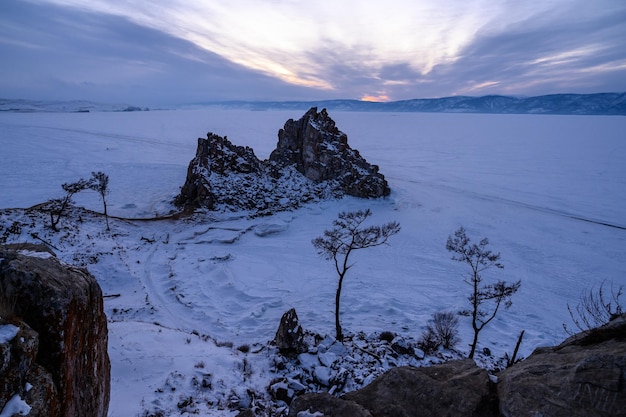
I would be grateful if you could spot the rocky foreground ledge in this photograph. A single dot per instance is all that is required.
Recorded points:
(585, 376)
(312, 161)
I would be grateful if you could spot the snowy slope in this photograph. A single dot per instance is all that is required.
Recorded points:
(548, 191)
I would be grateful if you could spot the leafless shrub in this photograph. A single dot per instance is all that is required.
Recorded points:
(14, 229)
(441, 331)
(387, 336)
(596, 307)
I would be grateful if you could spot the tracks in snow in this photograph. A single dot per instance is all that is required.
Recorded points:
(516, 203)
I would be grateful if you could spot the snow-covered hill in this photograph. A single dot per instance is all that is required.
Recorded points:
(75, 106)
(579, 104)
(199, 297)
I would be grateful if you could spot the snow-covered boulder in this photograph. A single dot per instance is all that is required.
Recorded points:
(64, 305)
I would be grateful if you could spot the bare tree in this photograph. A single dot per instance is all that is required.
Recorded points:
(485, 299)
(596, 308)
(348, 235)
(99, 182)
(56, 207)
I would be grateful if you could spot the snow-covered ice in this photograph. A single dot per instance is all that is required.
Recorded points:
(548, 191)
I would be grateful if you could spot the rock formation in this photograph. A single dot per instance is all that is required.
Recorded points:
(63, 304)
(290, 336)
(456, 388)
(320, 151)
(583, 376)
(327, 405)
(312, 161)
(22, 376)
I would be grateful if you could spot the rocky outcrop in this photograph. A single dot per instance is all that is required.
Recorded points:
(456, 388)
(312, 162)
(329, 406)
(583, 376)
(320, 151)
(216, 156)
(21, 375)
(63, 304)
(290, 336)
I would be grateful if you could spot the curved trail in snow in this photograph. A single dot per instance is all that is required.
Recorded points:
(488, 197)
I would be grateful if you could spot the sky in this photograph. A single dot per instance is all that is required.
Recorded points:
(190, 51)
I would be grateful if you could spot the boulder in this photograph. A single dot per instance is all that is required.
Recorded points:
(289, 337)
(64, 305)
(22, 376)
(315, 403)
(320, 151)
(583, 376)
(455, 388)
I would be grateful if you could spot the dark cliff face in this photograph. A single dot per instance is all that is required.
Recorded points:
(312, 160)
(64, 305)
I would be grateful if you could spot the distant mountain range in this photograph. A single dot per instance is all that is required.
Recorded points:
(577, 104)
(73, 106)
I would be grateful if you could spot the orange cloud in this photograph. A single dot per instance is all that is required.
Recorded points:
(381, 97)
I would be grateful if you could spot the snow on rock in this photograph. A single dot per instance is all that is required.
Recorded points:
(22, 377)
(266, 229)
(15, 406)
(7, 333)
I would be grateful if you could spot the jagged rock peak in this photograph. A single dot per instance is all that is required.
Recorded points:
(320, 151)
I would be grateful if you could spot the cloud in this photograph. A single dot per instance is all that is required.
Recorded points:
(53, 52)
(175, 50)
(554, 53)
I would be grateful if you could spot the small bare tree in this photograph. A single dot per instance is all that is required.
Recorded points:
(348, 235)
(56, 207)
(99, 182)
(596, 308)
(479, 258)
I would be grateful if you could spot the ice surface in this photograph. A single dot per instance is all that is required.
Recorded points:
(548, 192)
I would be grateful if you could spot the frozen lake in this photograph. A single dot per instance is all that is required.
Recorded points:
(548, 191)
